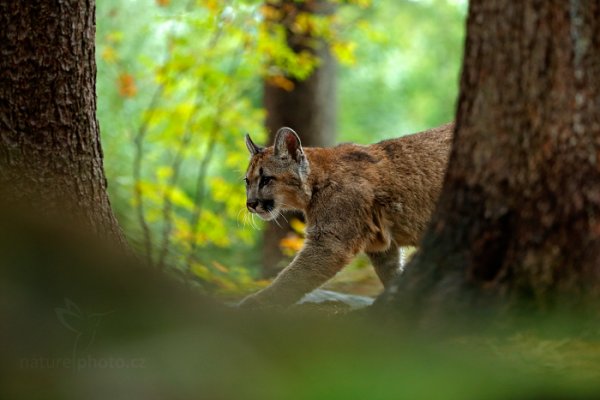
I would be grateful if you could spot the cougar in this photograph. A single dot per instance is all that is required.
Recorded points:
(355, 198)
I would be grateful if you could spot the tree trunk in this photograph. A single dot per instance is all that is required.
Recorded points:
(308, 107)
(50, 153)
(518, 220)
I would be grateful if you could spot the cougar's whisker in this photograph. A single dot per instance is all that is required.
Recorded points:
(274, 216)
(253, 222)
(245, 219)
(283, 216)
(237, 217)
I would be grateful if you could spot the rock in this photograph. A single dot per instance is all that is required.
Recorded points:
(352, 301)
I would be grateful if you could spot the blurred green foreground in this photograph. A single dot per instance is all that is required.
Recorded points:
(80, 321)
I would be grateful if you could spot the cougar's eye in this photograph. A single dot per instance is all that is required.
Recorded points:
(246, 181)
(264, 180)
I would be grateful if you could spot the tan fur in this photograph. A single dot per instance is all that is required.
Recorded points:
(355, 198)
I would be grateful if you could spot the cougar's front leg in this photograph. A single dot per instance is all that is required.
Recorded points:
(386, 263)
(316, 263)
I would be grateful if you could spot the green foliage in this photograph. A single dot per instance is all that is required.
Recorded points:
(173, 109)
(406, 71)
(179, 83)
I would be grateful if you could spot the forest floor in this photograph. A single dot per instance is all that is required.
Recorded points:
(353, 287)
(356, 279)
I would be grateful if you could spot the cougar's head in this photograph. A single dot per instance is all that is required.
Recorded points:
(276, 177)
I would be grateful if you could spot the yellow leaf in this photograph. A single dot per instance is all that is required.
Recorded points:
(224, 284)
(297, 225)
(179, 198)
(362, 3)
(282, 82)
(291, 242)
(270, 13)
(201, 271)
(114, 37)
(344, 52)
(109, 54)
(303, 23)
(220, 267)
(164, 172)
(212, 5)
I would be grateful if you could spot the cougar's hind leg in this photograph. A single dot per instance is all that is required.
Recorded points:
(387, 264)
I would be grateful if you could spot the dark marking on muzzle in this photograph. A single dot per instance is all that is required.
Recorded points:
(267, 205)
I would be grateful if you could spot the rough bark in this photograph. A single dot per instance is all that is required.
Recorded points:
(309, 108)
(50, 152)
(518, 220)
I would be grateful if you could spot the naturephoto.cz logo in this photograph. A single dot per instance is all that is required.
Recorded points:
(83, 326)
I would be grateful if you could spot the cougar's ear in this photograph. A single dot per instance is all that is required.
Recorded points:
(287, 143)
(252, 148)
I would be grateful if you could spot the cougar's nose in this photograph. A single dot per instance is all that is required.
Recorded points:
(252, 204)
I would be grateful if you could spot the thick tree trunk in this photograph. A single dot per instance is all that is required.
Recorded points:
(50, 153)
(519, 216)
(309, 107)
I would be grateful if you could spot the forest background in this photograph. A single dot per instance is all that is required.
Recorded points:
(180, 82)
